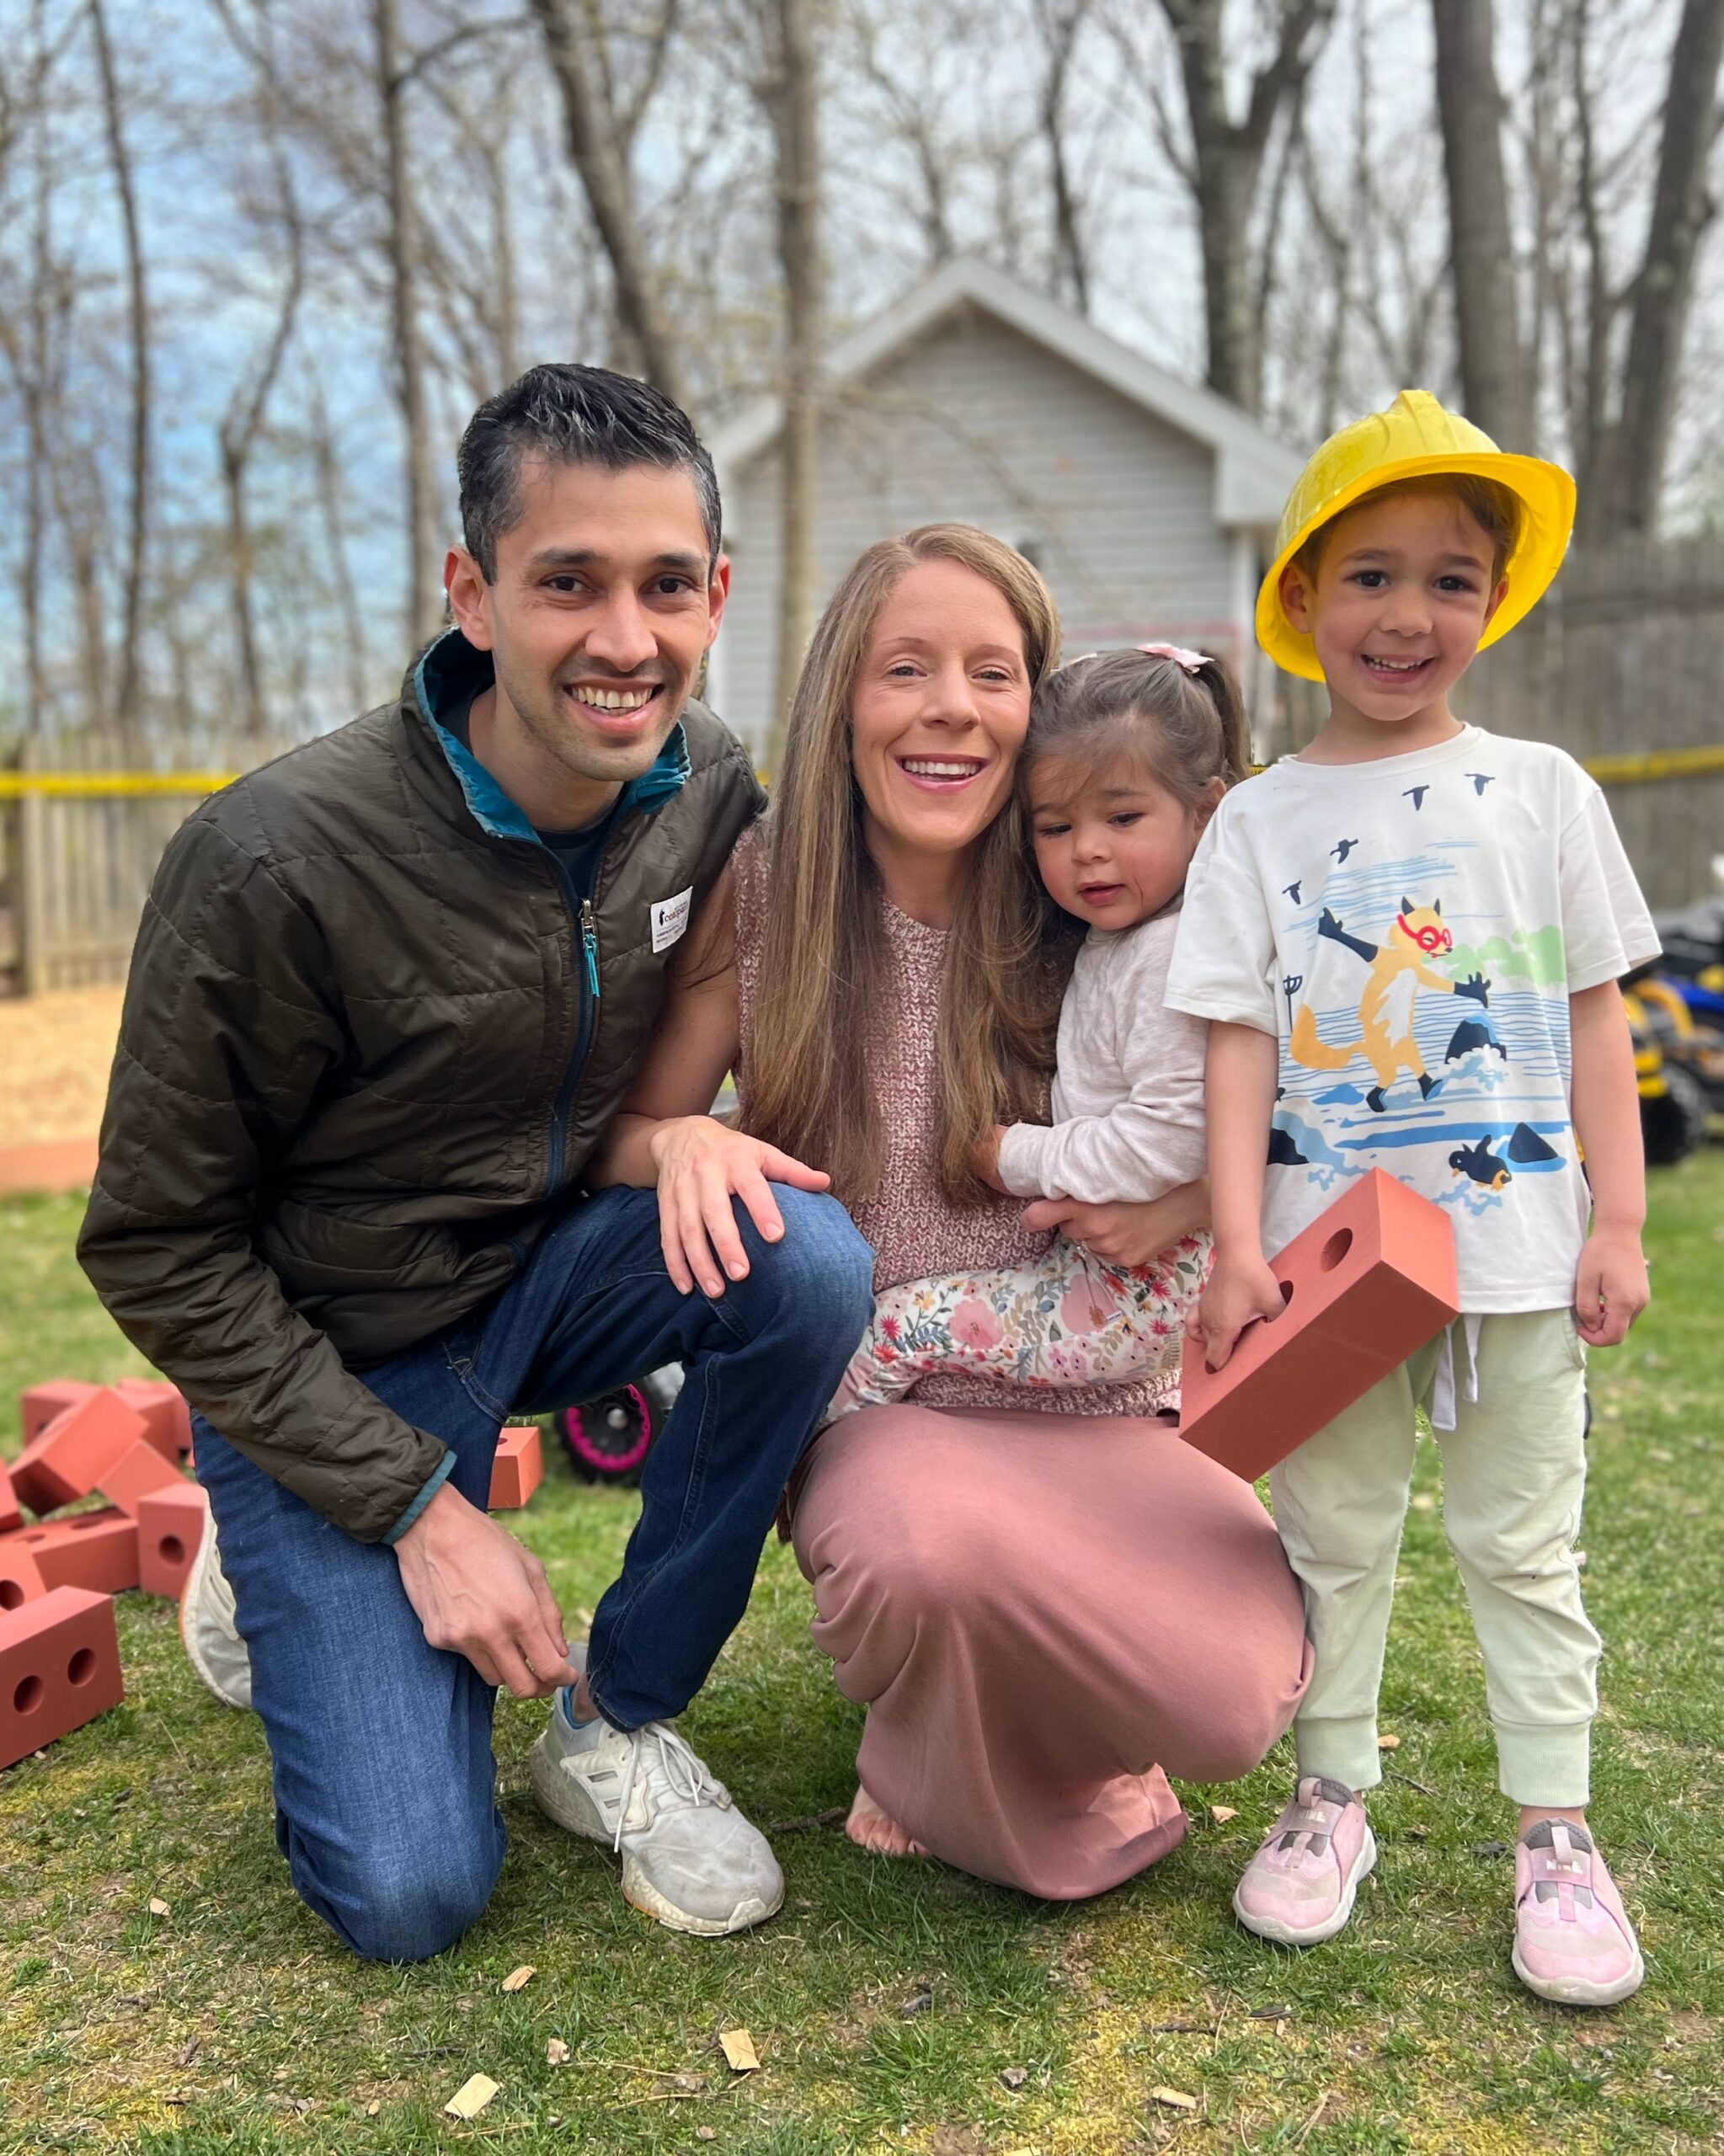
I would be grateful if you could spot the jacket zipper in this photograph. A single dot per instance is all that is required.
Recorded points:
(581, 913)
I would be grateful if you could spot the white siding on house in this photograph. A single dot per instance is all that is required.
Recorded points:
(979, 423)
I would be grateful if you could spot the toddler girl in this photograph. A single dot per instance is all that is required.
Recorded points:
(1128, 755)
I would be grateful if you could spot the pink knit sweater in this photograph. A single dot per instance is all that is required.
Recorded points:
(915, 1228)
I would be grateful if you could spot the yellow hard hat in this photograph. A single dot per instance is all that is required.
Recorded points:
(1415, 438)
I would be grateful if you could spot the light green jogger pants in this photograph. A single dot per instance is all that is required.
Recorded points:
(1514, 1471)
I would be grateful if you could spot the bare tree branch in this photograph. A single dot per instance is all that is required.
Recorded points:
(128, 693)
(598, 152)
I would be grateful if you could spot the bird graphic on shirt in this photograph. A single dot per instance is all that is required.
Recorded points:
(1345, 848)
(1480, 780)
(1480, 1165)
(1291, 890)
(1416, 794)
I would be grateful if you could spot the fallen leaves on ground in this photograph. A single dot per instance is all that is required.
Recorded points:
(740, 2052)
(159, 1907)
(556, 2052)
(1221, 1813)
(472, 2096)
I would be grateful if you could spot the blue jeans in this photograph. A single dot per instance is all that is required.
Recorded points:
(385, 1804)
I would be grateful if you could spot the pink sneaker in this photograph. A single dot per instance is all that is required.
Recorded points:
(1573, 1942)
(1300, 1886)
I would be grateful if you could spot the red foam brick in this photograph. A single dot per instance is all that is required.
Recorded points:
(10, 1515)
(59, 1669)
(39, 1404)
(518, 1469)
(94, 1550)
(139, 1469)
(69, 1458)
(1366, 1284)
(170, 1526)
(164, 1409)
(20, 1575)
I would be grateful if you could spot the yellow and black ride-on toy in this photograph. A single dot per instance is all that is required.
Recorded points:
(1674, 1109)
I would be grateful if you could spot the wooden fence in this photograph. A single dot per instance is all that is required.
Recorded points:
(1623, 659)
(75, 864)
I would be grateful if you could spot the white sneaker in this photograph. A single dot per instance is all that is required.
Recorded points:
(213, 1646)
(690, 1859)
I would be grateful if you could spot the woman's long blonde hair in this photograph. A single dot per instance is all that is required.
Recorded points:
(823, 957)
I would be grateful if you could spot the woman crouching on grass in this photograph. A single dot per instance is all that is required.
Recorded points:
(1047, 1603)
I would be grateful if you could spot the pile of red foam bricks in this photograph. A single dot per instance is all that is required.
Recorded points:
(59, 1657)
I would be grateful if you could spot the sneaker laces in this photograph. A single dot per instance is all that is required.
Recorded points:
(675, 1762)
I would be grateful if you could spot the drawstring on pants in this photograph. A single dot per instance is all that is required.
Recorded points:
(1443, 1393)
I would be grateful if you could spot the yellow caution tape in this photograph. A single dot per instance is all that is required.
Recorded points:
(1657, 763)
(1608, 770)
(109, 785)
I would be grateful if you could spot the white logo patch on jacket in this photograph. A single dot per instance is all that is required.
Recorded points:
(670, 920)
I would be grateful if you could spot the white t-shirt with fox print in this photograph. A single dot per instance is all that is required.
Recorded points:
(1410, 932)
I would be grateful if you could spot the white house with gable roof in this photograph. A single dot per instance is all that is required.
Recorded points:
(1146, 503)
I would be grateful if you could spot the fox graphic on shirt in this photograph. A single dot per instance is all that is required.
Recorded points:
(1398, 970)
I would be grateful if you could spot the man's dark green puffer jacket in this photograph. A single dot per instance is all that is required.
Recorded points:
(361, 1057)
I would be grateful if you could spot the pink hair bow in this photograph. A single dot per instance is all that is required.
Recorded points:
(1193, 662)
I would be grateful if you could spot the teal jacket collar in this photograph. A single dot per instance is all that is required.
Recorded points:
(451, 672)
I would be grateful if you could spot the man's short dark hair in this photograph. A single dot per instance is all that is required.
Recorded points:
(572, 416)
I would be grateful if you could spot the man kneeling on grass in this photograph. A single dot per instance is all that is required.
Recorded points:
(387, 993)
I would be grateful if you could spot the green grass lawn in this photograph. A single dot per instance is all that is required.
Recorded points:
(234, 2022)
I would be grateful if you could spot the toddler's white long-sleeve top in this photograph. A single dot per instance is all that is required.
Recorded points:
(1128, 1092)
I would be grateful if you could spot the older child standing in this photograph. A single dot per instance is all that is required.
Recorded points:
(1407, 941)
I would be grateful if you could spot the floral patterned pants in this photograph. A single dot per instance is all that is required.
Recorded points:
(1071, 1318)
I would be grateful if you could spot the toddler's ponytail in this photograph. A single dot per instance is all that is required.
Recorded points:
(1180, 710)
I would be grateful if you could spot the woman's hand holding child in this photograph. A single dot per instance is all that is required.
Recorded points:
(1129, 1231)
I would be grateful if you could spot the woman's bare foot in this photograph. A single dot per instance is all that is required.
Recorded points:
(870, 1828)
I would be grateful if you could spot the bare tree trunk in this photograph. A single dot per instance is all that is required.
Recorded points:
(1680, 211)
(1589, 359)
(329, 487)
(1495, 384)
(35, 373)
(128, 689)
(243, 420)
(1061, 21)
(793, 99)
(239, 432)
(83, 525)
(597, 151)
(424, 609)
(504, 279)
(1226, 165)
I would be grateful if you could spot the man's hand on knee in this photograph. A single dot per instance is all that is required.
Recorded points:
(478, 1592)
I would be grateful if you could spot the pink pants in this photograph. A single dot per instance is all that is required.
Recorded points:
(1045, 1616)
